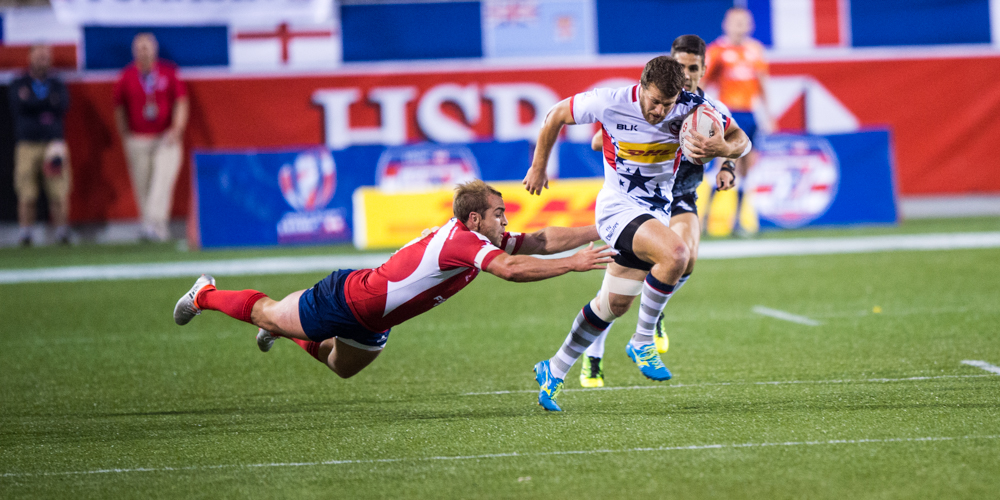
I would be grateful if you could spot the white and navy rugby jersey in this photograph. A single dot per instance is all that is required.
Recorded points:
(639, 159)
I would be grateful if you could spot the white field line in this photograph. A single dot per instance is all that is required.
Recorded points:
(693, 447)
(861, 244)
(984, 365)
(787, 316)
(241, 267)
(711, 384)
(284, 265)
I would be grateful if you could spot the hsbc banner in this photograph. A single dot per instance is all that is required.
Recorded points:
(464, 104)
(808, 180)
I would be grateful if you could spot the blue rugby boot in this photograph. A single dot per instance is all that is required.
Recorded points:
(549, 386)
(648, 361)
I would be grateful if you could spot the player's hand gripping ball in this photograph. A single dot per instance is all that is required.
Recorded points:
(707, 121)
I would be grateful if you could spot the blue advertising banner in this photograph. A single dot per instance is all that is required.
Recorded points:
(826, 180)
(800, 180)
(304, 196)
(275, 198)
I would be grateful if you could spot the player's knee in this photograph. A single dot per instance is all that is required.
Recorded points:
(678, 255)
(615, 297)
(342, 372)
(620, 304)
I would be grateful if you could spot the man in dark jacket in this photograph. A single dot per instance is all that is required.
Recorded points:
(38, 103)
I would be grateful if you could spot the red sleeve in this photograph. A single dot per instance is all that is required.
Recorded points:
(466, 249)
(492, 254)
(511, 242)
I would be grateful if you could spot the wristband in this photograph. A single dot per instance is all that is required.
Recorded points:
(727, 166)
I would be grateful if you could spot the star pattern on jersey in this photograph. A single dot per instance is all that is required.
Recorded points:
(657, 200)
(636, 180)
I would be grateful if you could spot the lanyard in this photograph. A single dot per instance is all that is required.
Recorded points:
(149, 82)
(150, 111)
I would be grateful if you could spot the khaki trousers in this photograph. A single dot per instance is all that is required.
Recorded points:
(153, 165)
(29, 158)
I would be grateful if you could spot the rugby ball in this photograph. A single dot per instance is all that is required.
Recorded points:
(703, 119)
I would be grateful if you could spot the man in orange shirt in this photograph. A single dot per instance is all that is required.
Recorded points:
(736, 67)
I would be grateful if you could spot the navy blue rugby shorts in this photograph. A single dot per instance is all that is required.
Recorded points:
(324, 314)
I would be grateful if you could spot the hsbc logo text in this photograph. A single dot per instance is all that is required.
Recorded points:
(507, 100)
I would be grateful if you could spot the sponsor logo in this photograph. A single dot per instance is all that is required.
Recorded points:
(647, 153)
(422, 167)
(611, 231)
(627, 128)
(675, 126)
(308, 185)
(390, 219)
(795, 180)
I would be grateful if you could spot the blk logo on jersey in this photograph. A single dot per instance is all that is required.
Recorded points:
(627, 128)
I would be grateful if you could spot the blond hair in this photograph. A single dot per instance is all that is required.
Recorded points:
(473, 196)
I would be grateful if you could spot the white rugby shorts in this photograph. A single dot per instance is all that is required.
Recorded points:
(614, 211)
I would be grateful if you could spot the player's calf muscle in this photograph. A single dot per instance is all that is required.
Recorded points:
(261, 315)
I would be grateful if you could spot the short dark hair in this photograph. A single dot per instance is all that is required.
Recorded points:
(665, 73)
(691, 44)
(473, 196)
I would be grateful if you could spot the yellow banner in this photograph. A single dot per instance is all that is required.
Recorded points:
(391, 220)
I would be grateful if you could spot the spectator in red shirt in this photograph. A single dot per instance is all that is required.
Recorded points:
(151, 111)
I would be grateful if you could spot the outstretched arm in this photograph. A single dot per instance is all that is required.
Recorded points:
(524, 268)
(554, 239)
(560, 114)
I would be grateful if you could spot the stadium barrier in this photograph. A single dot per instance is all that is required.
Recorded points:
(382, 197)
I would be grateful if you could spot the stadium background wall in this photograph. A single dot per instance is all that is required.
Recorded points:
(914, 99)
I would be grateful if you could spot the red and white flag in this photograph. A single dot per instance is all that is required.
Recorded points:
(285, 45)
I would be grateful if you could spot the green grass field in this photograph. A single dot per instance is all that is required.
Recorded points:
(104, 397)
